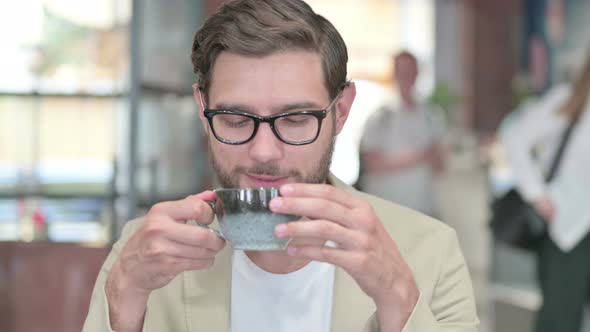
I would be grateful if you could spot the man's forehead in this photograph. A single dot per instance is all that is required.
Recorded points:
(273, 81)
(286, 66)
(405, 61)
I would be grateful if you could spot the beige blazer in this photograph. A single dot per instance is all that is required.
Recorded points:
(200, 300)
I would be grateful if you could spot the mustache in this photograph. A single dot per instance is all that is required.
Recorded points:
(267, 169)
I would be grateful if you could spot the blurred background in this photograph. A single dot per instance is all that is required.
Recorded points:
(98, 122)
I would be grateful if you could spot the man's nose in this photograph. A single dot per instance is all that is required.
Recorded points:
(265, 146)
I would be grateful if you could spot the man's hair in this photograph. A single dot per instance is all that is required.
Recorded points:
(406, 54)
(263, 27)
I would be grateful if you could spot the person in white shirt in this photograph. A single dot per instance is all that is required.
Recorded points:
(563, 256)
(401, 148)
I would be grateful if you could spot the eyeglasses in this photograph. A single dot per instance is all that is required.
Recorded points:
(293, 128)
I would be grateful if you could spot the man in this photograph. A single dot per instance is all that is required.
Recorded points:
(260, 64)
(400, 148)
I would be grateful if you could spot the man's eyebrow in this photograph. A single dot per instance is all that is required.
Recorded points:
(297, 106)
(234, 107)
(275, 110)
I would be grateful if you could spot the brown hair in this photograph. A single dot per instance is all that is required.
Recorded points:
(574, 107)
(263, 27)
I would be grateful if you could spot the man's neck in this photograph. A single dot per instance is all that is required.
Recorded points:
(278, 262)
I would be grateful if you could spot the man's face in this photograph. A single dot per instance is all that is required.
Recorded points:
(285, 81)
(405, 74)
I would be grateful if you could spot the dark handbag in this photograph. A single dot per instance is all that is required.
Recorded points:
(516, 222)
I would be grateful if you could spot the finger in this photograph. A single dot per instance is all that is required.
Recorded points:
(184, 264)
(192, 207)
(315, 208)
(198, 236)
(320, 191)
(181, 250)
(190, 235)
(324, 230)
(343, 258)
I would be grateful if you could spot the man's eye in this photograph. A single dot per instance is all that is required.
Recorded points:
(296, 120)
(236, 124)
(234, 121)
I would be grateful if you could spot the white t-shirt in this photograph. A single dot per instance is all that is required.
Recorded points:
(395, 131)
(297, 301)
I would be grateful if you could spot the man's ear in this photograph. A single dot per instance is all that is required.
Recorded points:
(200, 100)
(343, 105)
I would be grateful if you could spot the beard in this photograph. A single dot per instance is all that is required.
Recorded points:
(231, 178)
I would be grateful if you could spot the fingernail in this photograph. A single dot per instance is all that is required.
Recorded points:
(292, 250)
(281, 229)
(287, 189)
(275, 203)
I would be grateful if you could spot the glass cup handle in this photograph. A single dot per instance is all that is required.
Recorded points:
(214, 231)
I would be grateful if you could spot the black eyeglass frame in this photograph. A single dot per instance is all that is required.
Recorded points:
(320, 115)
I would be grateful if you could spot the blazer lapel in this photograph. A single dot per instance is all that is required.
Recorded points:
(207, 295)
(351, 307)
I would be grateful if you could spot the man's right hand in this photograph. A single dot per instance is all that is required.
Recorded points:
(163, 247)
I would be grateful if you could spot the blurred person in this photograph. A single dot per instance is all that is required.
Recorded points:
(401, 148)
(563, 270)
(272, 65)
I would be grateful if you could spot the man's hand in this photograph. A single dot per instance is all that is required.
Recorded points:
(364, 248)
(545, 208)
(161, 249)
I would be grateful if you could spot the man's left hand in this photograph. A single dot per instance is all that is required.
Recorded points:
(364, 249)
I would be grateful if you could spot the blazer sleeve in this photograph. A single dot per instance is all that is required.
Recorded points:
(98, 319)
(452, 305)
